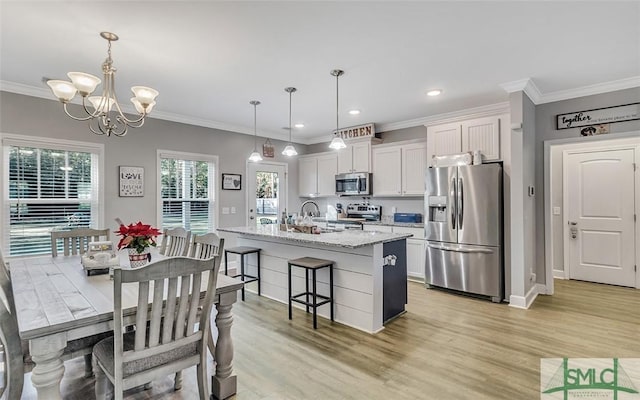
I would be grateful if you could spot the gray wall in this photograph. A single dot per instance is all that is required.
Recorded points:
(27, 115)
(546, 130)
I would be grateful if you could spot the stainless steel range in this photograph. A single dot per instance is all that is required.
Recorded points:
(369, 212)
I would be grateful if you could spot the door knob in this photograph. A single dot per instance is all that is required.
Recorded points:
(251, 217)
(251, 210)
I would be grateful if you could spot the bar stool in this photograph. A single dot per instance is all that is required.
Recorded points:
(243, 251)
(313, 264)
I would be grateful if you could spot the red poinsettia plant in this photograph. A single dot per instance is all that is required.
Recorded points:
(137, 236)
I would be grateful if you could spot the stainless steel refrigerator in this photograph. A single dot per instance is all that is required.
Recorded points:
(463, 228)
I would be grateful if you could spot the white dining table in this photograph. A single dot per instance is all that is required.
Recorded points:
(57, 302)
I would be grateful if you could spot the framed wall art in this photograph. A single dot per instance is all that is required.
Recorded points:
(131, 181)
(231, 181)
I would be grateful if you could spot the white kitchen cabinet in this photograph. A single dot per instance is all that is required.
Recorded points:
(387, 171)
(399, 170)
(414, 163)
(355, 157)
(416, 248)
(327, 170)
(416, 251)
(475, 134)
(307, 176)
(316, 175)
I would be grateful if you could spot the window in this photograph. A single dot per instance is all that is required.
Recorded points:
(187, 190)
(47, 187)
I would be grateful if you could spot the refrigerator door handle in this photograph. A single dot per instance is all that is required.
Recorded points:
(453, 203)
(460, 203)
(460, 249)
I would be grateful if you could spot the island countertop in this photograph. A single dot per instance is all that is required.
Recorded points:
(350, 238)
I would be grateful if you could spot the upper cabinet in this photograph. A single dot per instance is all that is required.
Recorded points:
(475, 134)
(355, 158)
(399, 170)
(316, 175)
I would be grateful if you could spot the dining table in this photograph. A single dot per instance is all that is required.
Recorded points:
(57, 302)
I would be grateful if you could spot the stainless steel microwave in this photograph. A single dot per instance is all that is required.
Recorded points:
(353, 184)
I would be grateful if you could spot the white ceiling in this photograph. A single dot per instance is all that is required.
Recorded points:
(209, 59)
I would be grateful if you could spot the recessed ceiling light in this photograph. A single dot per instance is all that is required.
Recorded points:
(299, 125)
(354, 112)
(434, 92)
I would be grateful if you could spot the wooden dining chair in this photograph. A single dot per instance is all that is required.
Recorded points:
(167, 339)
(76, 241)
(175, 242)
(205, 246)
(11, 356)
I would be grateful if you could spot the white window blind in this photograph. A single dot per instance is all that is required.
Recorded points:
(47, 189)
(187, 192)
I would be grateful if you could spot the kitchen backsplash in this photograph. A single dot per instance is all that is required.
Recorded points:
(413, 205)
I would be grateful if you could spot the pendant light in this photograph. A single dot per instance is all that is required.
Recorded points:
(255, 156)
(337, 143)
(289, 150)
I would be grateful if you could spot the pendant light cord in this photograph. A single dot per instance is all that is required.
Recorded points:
(255, 131)
(337, 108)
(290, 116)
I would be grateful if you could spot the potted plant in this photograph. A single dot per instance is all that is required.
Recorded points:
(137, 239)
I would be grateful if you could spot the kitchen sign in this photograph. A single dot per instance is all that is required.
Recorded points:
(627, 112)
(357, 132)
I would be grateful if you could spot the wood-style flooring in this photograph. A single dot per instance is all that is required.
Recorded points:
(445, 347)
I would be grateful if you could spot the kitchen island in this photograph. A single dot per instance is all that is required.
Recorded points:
(368, 290)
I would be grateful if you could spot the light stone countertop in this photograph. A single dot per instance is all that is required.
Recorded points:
(391, 223)
(350, 238)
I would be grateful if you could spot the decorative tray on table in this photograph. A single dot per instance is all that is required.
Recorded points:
(99, 258)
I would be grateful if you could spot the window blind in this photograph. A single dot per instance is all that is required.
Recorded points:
(187, 194)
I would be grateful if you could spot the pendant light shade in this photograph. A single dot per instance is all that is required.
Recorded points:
(289, 150)
(255, 156)
(337, 143)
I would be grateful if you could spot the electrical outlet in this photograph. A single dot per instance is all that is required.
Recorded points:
(225, 210)
(532, 277)
(556, 211)
(233, 210)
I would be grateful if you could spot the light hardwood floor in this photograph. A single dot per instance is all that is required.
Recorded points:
(445, 347)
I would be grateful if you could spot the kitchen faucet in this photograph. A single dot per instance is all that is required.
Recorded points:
(313, 214)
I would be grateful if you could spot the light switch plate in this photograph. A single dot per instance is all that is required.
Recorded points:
(233, 210)
(225, 210)
(556, 210)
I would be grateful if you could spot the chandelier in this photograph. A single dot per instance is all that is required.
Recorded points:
(337, 142)
(289, 150)
(98, 109)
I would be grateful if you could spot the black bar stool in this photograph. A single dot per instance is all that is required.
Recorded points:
(311, 264)
(243, 251)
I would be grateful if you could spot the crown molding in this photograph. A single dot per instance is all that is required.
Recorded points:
(529, 87)
(454, 116)
(598, 88)
(524, 85)
(45, 93)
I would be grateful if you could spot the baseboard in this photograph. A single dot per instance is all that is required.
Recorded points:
(524, 302)
(542, 288)
(558, 274)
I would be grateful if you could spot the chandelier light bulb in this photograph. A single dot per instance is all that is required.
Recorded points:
(63, 90)
(101, 104)
(140, 108)
(85, 83)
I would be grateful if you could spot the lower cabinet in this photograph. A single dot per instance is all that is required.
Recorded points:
(416, 248)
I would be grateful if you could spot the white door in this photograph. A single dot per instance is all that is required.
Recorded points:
(266, 192)
(600, 208)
